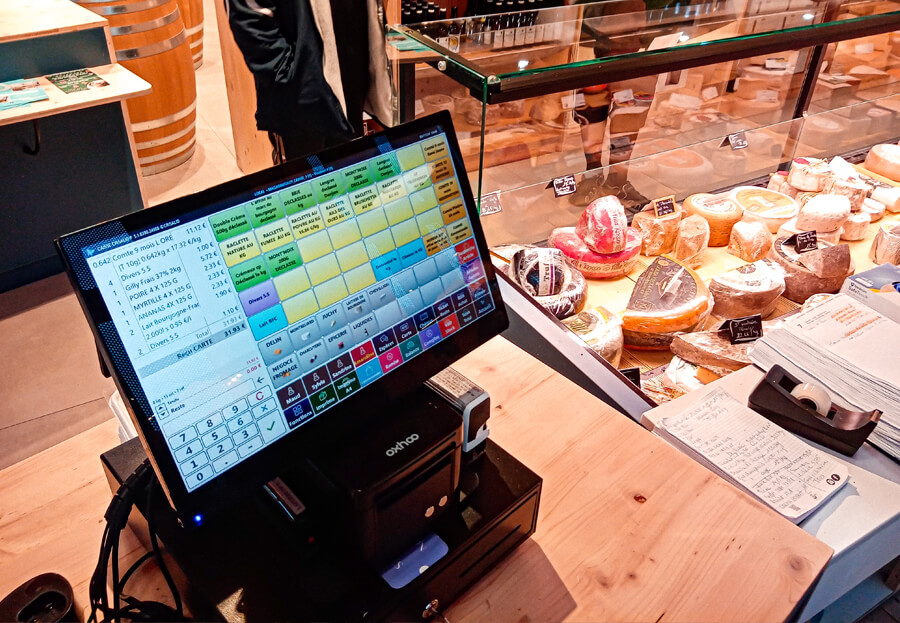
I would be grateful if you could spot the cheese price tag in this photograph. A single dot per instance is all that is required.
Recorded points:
(738, 140)
(572, 101)
(624, 96)
(664, 206)
(805, 241)
(776, 63)
(743, 330)
(633, 375)
(490, 204)
(709, 93)
(563, 186)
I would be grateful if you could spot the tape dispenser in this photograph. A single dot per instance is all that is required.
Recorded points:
(807, 410)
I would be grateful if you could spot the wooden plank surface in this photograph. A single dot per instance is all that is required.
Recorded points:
(26, 19)
(122, 84)
(629, 529)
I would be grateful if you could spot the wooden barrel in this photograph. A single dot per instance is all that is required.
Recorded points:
(192, 14)
(150, 40)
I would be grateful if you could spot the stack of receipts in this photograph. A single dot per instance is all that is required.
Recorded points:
(850, 351)
(751, 452)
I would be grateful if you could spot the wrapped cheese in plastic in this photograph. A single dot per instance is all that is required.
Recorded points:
(719, 211)
(714, 351)
(886, 246)
(750, 240)
(808, 174)
(682, 375)
(856, 226)
(601, 331)
(657, 232)
(602, 225)
(569, 296)
(746, 290)
(668, 297)
(691, 240)
(597, 265)
(855, 191)
(539, 271)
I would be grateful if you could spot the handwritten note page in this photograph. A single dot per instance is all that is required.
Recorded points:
(750, 451)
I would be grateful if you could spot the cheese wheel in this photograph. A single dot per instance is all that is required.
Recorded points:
(881, 120)
(808, 174)
(712, 350)
(822, 132)
(719, 211)
(667, 297)
(887, 195)
(750, 240)
(760, 204)
(691, 240)
(750, 289)
(884, 160)
(812, 272)
(856, 226)
(569, 297)
(597, 265)
(778, 182)
(674, 167)
(600, 330)
(761, 111)
(602, 225)
(657, 233)
(823, 213)
(875, 209)
(790, 228)
(853, 189)
(886, 246)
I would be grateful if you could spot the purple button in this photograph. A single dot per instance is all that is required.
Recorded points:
(430, 336)
(473, 270)
(258, 298)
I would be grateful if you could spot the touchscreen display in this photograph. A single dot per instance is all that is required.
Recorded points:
(244, 321)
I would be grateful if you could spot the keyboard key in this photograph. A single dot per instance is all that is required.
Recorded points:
(215, 436)
(197, 461)
(210, 423)
(236, 424)
(244, 434)
(199, 477)
(179, 439)
(188, 451)
(265, 409)
(226, 461)
(235, 408)
(249, 447)
(220, 448)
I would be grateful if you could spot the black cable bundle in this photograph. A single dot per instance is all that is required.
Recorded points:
(116, 519)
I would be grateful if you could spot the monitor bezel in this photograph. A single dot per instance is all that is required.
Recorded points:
(198, 506)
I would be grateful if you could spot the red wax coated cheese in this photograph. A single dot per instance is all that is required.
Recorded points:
(602, 225)
(597, 265)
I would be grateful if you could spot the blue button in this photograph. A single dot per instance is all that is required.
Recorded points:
(368, 372)
(267, 322)
(386, 265)
(412, 253)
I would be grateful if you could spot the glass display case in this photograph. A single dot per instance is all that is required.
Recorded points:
(556, 107)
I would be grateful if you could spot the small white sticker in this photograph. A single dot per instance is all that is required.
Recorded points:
(624, 96)
(490, 204)
(709, 93)
(572, 101)
(776, 63)
(864, 48)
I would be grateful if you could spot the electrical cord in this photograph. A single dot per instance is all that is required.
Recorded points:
(116, 519)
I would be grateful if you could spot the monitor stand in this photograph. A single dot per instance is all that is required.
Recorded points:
(248, 566)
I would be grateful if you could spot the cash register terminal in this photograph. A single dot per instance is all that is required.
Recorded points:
(271, 337)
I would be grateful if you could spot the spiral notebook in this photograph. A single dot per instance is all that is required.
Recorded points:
(746, 449)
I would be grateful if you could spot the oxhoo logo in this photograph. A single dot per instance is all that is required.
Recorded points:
(403, 443)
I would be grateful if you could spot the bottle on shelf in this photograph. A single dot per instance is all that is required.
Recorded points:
(454, 31)
(509, 24)
(530, 29)
(521, 15)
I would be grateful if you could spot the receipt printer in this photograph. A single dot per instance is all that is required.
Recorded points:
(388, 491)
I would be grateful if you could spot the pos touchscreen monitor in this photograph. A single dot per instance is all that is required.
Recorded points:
(255, 320)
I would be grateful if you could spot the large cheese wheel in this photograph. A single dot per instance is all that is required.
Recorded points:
(790, 228)
(812, 272)
(597, 265)
(657, 233)
(691, 240)
(875, 209)
(750, 240)
(851, 188)
(808, 174)
(823, 213)
(719, 211)
(761, 204)
(601, 331)
(750, 289)
(884, 160)
(673, 168)
(886, 246)
(667, 297)
(856, 226)
(602, 225)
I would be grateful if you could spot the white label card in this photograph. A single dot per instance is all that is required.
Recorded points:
(624, 96)
(490, 204)
(709, 93)
(776, 63)
(688, 102)
(766, 95)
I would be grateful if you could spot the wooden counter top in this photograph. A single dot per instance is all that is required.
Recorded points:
(26, 19)
(122, 84)
(629, 529)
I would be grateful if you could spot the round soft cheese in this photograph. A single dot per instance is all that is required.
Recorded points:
(674, 167)
(750, 289)
(808, 174)
(887, 195)
(720, 211)
(597, 265)
(851, 188)
(790, 228)
(602, 225)
(856, 226)
(884, 160)
(824, 213)
(778, 182)
(886, 246)
(822, 133)
(761, 204)
(657, 232)
(875, 209)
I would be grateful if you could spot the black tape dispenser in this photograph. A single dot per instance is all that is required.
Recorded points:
(807, 410)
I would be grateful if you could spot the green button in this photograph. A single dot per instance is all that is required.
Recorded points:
(298, 198)
(323, 399)
(346, 385)
(283, 259)
(229, 224)
(385, 166)
(357, 177)
(248, 274)
(265, 210)
(328, 186)
(411, 347)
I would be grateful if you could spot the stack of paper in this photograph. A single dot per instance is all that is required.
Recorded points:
(753, 453)
(20, 93)
(849, 350)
